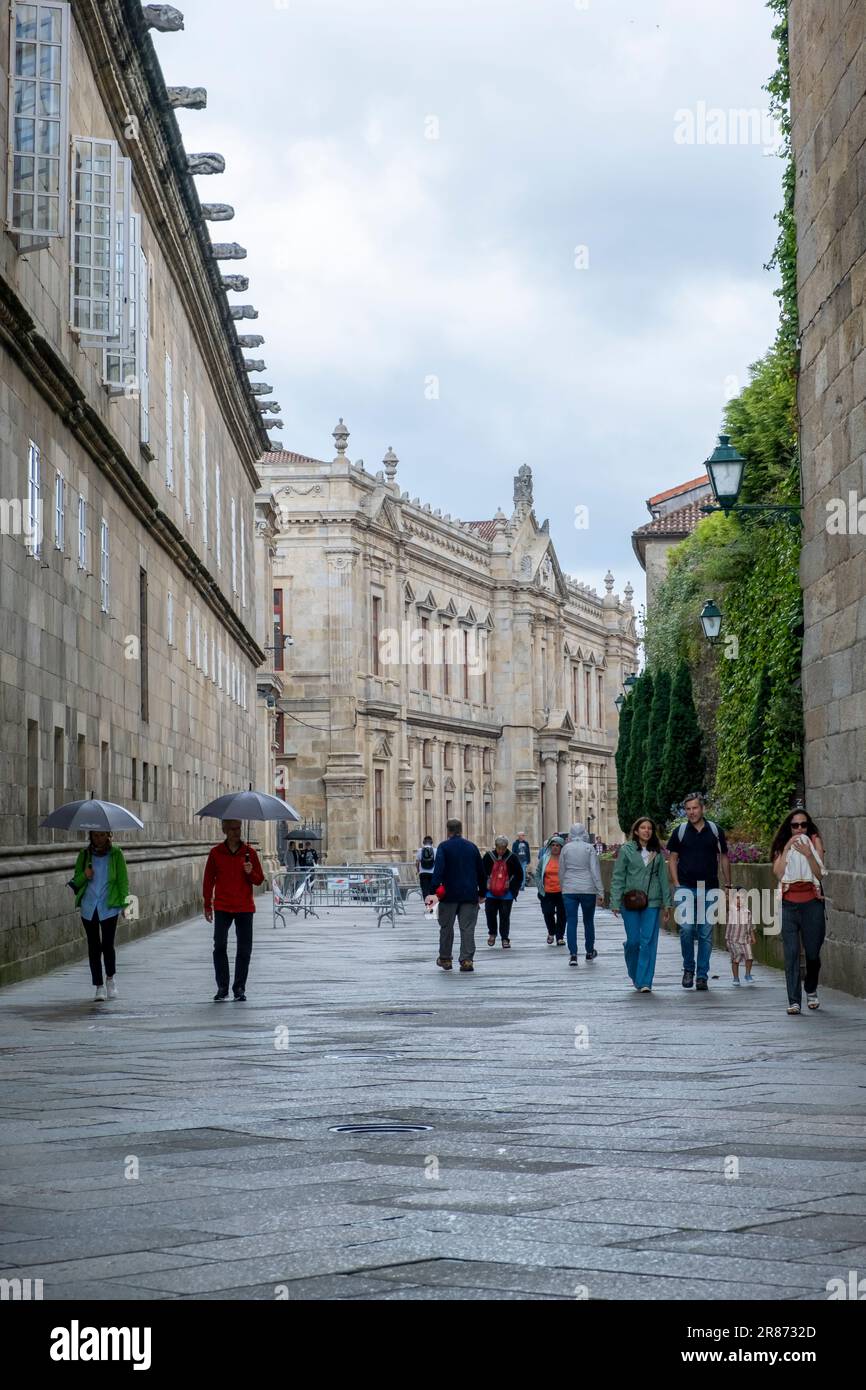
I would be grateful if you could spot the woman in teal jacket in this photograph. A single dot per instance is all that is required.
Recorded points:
(641, 865)
(101, 887)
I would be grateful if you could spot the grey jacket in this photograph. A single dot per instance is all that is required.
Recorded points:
(579, 871)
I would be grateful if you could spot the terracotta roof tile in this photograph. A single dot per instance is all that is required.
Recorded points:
(681, 522)
(675, 491)
(286, 456)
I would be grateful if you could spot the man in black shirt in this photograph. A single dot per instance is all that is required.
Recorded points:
(698, 854)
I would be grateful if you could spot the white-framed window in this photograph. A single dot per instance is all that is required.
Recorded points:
(169, 618)
(188, 635)
(105, 566)
(169, 425)
(37, 191)
(213, 659)
(218, 521)
(234, 540)
(93, 277)
(243, 564)
(82, 533)
(143, 346)
(204, 488)
(59, 511)
(34, 501)
(198, 642)
(204, 654)
(220, 667)
(120, 361)
(187, 461)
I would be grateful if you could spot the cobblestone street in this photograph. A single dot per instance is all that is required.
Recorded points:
(580, 1132)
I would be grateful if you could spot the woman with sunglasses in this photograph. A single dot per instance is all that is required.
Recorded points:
(798, 863)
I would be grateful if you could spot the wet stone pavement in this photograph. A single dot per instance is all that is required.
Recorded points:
(585, 1141)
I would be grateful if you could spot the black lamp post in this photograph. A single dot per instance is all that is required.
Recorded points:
(711, 621)
(619, 702)
(725, 467)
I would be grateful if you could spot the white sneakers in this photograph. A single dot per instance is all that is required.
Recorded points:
(100, 994)
(112, 986)
(106, 991)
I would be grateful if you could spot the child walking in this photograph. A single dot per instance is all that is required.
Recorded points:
(740, 935)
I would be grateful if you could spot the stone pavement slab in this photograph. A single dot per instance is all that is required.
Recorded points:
(581, 1136)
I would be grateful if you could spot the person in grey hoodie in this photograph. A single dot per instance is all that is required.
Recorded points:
(582, 889)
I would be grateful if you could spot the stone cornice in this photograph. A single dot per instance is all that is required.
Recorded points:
(130, 82)
(441, 723)
(56, 384)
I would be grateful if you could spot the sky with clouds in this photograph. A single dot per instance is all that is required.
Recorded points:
(485, 233)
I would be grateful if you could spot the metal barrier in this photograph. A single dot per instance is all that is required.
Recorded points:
(334, 886)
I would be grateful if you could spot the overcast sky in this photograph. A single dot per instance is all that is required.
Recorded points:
(388, 265)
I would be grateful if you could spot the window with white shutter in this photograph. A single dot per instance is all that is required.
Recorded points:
(243, 564)
(34, 500)
(169, 425)
(169, 619)
(105, 567)
(204, 488)
(93, 277)
(37, 190)
(59, 512)
(187, 461)
(234, 536)
(218, 521)
(82, 533)
(143, 346)
(121, 368)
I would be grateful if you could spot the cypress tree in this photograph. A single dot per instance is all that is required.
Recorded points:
(653, 778)
(634, 771)
(621, 761)
(684, 765)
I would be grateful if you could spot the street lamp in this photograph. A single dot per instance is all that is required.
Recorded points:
(630, 681)
(725, 467)
(619, 702)
(711, 621)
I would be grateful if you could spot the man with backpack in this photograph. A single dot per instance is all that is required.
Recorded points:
(504, 876)
(459, 884)
(698, 856)
(425, 858)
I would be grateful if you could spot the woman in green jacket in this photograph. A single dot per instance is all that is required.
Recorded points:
(641, 867)
(101, 887)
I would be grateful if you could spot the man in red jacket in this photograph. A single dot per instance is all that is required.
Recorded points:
(231, 870)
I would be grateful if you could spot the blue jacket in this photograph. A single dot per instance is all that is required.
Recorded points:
(458, 866)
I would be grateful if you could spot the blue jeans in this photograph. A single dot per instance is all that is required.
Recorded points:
(640, 945)
(690, 911)
(586, 902)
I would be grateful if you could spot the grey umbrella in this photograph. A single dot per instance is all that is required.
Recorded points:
(249, 806)
(91, 815)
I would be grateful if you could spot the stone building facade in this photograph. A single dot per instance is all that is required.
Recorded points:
(128, 631)
(828, 107)
(675, 515)
(438, 667)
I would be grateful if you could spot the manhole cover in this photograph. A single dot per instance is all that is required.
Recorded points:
(379, 1129)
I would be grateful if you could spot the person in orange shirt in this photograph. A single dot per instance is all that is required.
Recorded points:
(550, 890)
(231, 871)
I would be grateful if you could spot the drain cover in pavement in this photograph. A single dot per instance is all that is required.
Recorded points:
(379, 1129)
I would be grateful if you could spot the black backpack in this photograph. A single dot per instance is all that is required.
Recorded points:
(428, 857)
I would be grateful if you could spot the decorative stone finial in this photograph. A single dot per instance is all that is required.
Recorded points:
(208, 163)
(608, 582)
(390, 461)
(629, 593)
(341, 437)
(244, 311)
(260, 388)
(523, 486)
(250, 340)
(228, 251)
(192, 98)
(217, 212)
(254, 364)
(164, 18)
(238, 283)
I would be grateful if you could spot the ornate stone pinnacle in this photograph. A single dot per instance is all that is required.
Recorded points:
(523, 486)
(608, 582)
(192, 98)
(629, 593)
(217, 212)
(390, 461)
(164, 18)
(228, 251)
(341, 437)
(208, 163)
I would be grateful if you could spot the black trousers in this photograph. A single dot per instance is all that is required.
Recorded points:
(553, 909)
(425, 880)
(498, 911)
(806, 921)
(244, 932)
(100, 944)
